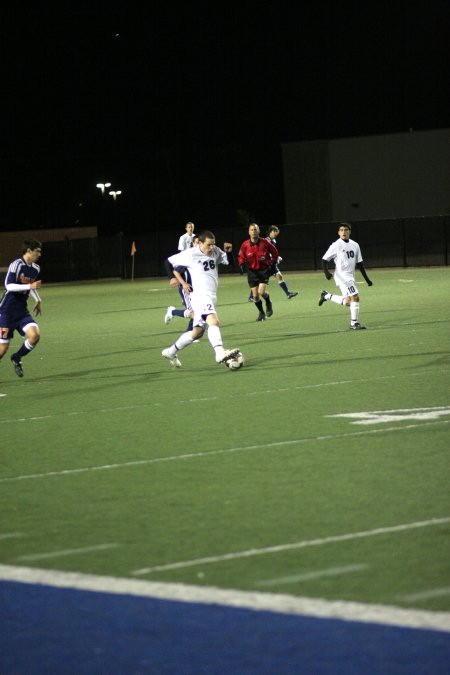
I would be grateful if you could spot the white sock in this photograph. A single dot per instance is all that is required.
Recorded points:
(184, 340)
(215, 339)
(354, 312)
(186, 313)
(338, 299)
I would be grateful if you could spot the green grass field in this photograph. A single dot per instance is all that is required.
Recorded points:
(114, 463)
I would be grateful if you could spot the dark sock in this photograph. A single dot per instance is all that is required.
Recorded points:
(283, 285)
(23, 351)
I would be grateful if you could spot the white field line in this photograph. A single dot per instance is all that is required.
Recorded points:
(209, 453)
(426, 595)
(310, 576)
(281, 548)
(67, 552)
(10, 535)
(95, 411)
(256, 601)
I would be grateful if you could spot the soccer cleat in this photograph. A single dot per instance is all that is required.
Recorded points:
(292, 294)
(227, 355)
(357, 326)
(176, 363)
(250, 298)
(17, 366)
(322, 298)
(169, 316)
(261, 317)
(269, 310)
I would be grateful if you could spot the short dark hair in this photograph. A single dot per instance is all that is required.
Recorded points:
(345, 225)
(206, 234)
(32, 244)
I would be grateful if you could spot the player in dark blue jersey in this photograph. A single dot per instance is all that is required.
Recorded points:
(172, 311)
(272, 236)
(21, 280)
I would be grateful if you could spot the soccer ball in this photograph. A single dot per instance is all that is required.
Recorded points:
(236, 362)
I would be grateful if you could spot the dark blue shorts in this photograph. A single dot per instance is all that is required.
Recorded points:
(13, 322)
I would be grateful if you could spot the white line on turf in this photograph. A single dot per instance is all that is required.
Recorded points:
(222, 451)
(256, 601)
(67, 552)
(10, 535)
(281, 548)
(426, 595)
(310, 576)
(158, 404)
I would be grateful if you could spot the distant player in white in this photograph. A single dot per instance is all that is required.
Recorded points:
(202, 262)
(187, 240)
(346, 255)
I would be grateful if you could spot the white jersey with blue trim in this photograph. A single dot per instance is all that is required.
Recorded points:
(186, 241)
(202, 268)
(346, 255)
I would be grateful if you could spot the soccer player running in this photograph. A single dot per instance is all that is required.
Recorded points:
(346, 255)
(257, 256)
(272, 235)
(202, 263)
(21, 280)
(187, 312)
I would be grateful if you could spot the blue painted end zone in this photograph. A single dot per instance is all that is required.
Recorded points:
(59, 631)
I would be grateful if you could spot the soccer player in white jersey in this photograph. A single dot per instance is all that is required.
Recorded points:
(202, 262)
(346, 255)
(187, 240)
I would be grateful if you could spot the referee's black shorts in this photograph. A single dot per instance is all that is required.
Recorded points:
(256, 277)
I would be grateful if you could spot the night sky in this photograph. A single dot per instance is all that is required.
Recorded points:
(184, 107)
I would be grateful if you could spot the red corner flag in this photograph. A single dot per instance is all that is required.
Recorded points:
(133, 248)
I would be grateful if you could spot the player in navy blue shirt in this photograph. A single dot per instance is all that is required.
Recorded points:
(187, 312)
(21, 280)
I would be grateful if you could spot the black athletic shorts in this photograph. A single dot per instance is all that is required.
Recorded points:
(256, 277)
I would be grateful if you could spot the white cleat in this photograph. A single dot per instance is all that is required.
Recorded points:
(169, 316)
(176, 363)
(227, 355)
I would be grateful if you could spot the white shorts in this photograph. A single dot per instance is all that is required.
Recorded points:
(348, 288)
(202, 306)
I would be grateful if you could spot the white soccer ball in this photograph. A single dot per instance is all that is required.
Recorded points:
(236, 362)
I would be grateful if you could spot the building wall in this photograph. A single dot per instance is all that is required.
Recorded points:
(369, 177)
(11, 242)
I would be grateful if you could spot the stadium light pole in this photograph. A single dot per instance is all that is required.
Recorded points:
(102, 186)
(114, 193)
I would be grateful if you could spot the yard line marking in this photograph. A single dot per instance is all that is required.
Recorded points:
(398, 415)
(209, 453)
(153, 404)
(67, 551)
(425, 595)
(309, 576)
(10, 535)
(281, 548)
(256, 601)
